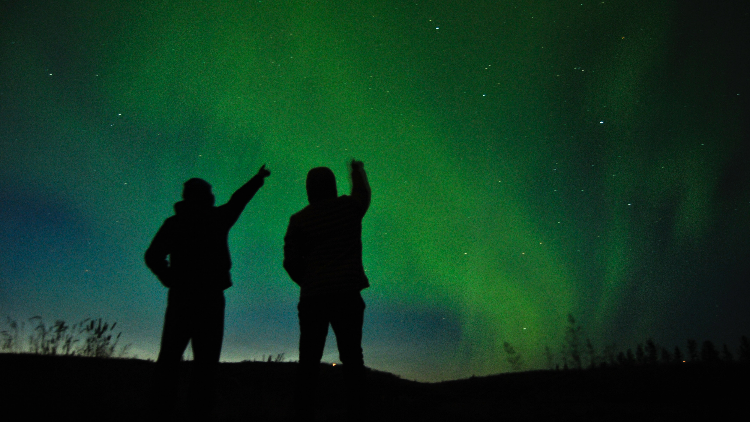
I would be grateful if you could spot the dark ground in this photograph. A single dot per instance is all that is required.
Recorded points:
(51, 387)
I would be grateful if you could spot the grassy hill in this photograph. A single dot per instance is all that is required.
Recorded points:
(46, 387)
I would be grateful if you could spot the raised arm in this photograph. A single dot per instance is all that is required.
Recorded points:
(244, 194)
(360, 186)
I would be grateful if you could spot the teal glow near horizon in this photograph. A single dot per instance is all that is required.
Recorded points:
(528, 160)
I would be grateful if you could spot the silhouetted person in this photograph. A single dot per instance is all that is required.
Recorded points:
(323, 255)
(190, 256)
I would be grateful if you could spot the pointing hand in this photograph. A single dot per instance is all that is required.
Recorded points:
(263, 172)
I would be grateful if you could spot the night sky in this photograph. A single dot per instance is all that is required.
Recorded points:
(528, 160)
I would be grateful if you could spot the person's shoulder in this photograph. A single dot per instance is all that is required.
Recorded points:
(351, 202)
(301, 213)
(171, 220)
(221, 210)
(335, 205)
(169, 226)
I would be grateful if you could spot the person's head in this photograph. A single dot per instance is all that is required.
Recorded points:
(321, 184)
(198, 191)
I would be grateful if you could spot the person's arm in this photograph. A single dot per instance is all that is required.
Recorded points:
(360, 185)
(294, 260)
(243, 195)
(156, 257)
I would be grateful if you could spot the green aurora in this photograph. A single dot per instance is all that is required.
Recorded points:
(528, 159)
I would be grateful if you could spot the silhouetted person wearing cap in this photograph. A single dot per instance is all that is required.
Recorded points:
(190, 256)
(323, 255)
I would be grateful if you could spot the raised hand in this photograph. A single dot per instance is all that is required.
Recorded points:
(264, 172)
(357, 165)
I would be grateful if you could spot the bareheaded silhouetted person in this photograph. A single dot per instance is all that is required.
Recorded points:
(323, 255)
(190, 256)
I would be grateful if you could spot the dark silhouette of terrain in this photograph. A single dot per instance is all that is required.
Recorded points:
(117, 390)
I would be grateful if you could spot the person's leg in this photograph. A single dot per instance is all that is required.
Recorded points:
(208, 322)
(313, 324)
(347, 320)
(175, 337)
